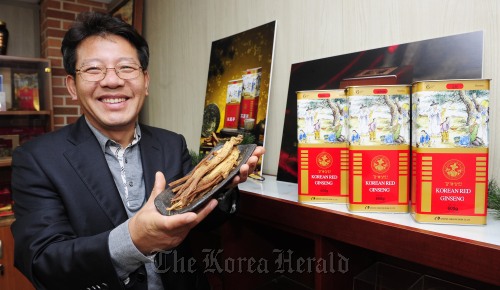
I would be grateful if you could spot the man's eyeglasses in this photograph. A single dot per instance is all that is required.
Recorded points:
(96, 73)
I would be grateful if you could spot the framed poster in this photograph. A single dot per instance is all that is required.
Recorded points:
(238, 86)
(26, 90)
(452, 57)
(130, 11)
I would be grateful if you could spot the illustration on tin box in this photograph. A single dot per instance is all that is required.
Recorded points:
(321, 121)
(448, 119)
(379, 120)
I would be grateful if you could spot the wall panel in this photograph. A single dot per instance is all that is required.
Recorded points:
(181, 32)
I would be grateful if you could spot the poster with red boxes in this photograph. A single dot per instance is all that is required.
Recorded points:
(26, 91)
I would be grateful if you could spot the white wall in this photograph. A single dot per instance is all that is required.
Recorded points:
(180, 33)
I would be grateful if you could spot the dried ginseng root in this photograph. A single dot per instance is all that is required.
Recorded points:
(212, 170)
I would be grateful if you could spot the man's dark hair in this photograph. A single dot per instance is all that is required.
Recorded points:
(95, 23)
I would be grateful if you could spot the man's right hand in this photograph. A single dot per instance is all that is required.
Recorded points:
(151, 231)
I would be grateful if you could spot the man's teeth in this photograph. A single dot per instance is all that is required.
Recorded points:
(114, 101)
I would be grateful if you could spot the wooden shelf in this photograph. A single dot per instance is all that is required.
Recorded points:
(24, 113)
(472, 256)
(5, 162)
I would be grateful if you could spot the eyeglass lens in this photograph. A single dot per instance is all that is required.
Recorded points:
(98, 73)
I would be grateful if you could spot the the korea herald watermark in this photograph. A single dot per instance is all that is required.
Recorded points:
(282, 261)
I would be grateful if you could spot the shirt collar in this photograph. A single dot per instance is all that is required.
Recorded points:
(103, 140)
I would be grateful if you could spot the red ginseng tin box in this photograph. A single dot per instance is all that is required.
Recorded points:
(450, 151)
(322, 146)
(379, 148)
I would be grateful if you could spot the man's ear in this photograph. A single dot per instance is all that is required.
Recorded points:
(146, 82)
(71, 86)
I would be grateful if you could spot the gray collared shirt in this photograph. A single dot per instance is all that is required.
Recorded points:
(126, 167)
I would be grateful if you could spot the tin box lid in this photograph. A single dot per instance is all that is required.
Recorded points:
(451, 80)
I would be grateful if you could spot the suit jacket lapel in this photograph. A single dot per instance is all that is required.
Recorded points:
(89, 162)
(152, 160)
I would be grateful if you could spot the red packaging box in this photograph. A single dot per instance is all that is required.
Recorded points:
(450, 151)
(379, 148)
(250, 95)
(233, 104)
(322, 146)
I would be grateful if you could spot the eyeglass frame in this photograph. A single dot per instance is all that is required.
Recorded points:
(104, 71)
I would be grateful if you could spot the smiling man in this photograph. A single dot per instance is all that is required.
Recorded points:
(83, 195)
(112, 86)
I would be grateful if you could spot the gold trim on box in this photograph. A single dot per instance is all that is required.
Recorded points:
(304, 185)
(379, 208)
(357, 186)
(344, 186)
(321, 199)
(379, 147)
(403, 189)
(399, 89)
(322, 145)
(440, 85)
(480, 198)
(426, 196)
(449, 219)
(468, 150)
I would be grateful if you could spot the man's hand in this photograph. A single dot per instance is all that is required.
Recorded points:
(151, 231)
(249, 167)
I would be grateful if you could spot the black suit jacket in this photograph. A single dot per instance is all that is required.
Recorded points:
(66, 203)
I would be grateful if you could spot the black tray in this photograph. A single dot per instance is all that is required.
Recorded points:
(162, 201)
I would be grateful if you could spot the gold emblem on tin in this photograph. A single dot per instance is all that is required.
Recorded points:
(453, 169)
(324, 160)
(380, 164)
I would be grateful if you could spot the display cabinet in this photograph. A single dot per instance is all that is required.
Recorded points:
(25, 111)
(10, 277)
(274, 242)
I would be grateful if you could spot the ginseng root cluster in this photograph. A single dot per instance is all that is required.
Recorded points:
(213, 169)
